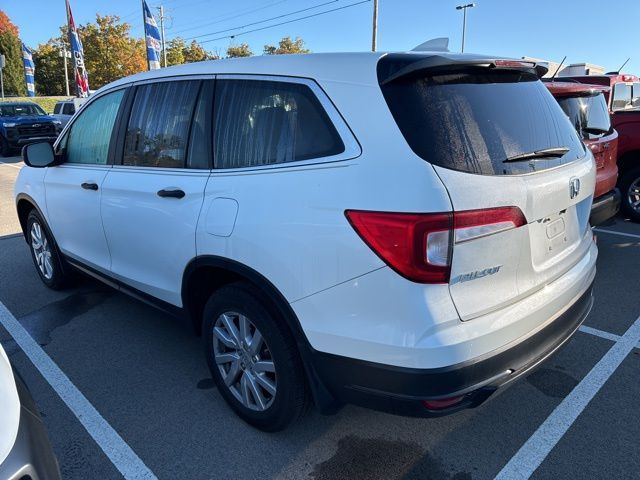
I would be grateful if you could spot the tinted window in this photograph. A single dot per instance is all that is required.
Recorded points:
(269, 122)
(200, 145)
(57, 108)
(68, 109)
(158, 129)
(635, 98)
(476, 119)
(621, 96)
(588, 114)
(88, 141)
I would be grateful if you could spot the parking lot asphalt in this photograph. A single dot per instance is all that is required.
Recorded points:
(145, 374)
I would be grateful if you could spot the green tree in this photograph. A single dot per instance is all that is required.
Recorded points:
(110, 52)
(13, 73)
(241, 50)
(50, 69)
(175, 52)
(196, 53)
(286, 46)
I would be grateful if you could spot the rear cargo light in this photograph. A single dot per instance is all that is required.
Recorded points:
(472, 224)
(513, 64)
(419, 246)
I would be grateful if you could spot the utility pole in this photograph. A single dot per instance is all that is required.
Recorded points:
(164, 50)
(2, 64)
(374, 40)
(464, 19)
(65, 54)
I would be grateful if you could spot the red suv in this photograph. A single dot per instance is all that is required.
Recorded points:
(624, 107)
(586, 107)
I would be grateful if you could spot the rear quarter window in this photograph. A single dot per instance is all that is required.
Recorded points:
(474, 119)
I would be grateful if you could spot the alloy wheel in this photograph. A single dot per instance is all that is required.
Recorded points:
(633, 194)
(41, 250)
(244, 361)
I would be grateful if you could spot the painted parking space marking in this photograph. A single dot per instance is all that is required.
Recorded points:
(11, 165)
(599, 333)
(545, 438)
(109, 441)
(622, 234)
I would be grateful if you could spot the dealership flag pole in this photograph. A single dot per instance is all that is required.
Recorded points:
(152, 38)
(80, 72)
(29, 70)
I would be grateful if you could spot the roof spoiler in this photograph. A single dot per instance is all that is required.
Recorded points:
(438, 61)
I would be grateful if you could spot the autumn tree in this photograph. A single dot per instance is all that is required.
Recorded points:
(110, 52)
(286, 46)
(175, 52)
(13, 73)
(49, 65)
(196, 53)
(241, 50)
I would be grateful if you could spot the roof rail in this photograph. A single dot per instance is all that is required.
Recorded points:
(440, 44)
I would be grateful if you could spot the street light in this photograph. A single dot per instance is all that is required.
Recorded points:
(464, 19)
(64, 53)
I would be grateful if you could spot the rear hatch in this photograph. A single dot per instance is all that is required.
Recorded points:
(519, 178)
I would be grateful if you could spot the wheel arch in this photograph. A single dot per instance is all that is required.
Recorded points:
(207, 273)
(24, 204)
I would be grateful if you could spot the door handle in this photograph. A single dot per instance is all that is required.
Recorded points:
(89, 186)
(171, 193)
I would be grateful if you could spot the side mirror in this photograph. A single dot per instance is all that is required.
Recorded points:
(38, 155)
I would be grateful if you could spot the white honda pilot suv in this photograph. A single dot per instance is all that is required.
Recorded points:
(403, 231)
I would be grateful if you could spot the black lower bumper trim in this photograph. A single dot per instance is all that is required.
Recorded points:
(401, 390)
(604, 207)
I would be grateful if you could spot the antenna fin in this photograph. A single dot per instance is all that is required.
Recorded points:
(434, 45)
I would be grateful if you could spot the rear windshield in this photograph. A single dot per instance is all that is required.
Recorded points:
(589, 115)
(475, 119)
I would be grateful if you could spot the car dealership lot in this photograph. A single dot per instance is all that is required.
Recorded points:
(144, 373)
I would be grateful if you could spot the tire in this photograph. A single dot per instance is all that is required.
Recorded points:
(630, 189)
(5, 150)
(45, 254)
(248, 369)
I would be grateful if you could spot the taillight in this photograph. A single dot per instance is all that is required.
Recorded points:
(419, 245)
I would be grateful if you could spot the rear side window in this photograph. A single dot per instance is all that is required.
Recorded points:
(621, 96)
(588, 114)
(158, 129)
(635, 96)
(258, 122)
(476, 120)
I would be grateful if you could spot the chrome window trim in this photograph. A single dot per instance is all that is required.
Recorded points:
(352, 148)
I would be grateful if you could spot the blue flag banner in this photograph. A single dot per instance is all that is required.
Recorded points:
(80, 72)
(152, 38)
(29, 71)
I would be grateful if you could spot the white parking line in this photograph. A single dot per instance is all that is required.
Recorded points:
(11, 164)
(622, 234)
(535, 450)
(112, 444)
(599, 333)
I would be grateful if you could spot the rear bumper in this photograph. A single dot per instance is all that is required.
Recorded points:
(31, 455)
(401, 390)
(604, 207)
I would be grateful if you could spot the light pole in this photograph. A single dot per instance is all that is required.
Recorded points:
(464, 19)
(164, 50)
(65, 54)
(374, 40)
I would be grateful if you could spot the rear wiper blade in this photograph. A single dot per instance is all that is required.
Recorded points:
(555, 152)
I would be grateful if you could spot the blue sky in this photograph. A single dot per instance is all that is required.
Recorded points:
(599, 32)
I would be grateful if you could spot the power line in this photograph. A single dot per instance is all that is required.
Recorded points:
(265, 20)
(240, 13)
(288, 21)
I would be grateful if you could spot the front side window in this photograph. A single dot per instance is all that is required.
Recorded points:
(621, 96)
(90, 136)
(158, 129)
(589, 115)
(57, 108)
(260, 122)
(69, 109)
